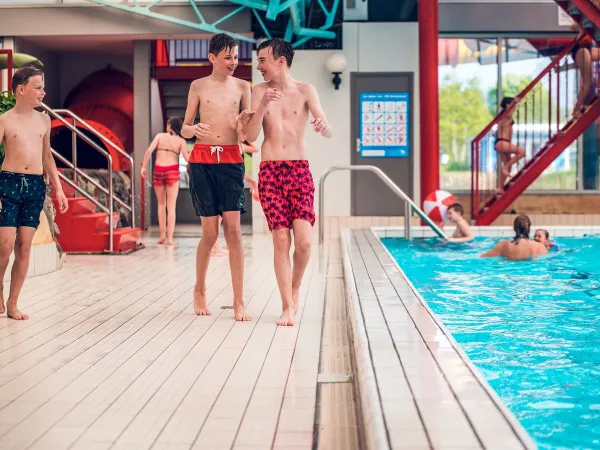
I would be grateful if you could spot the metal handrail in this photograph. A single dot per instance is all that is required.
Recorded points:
(83, 192)
(81, 173)
(409, 204)
(75, 117)
(110, 168)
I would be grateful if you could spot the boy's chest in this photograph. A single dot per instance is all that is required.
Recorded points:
(220, 100)
(291, 108)
(30, 133)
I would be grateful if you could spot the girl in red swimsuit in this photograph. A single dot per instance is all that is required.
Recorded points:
(168, 147)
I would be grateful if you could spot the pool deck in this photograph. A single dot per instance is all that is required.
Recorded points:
(417, 388)
(114, 357)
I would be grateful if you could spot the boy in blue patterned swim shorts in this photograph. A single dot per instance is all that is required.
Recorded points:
(26, 136)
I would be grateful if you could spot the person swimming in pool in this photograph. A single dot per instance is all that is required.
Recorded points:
(543, 237)
(462, 233)
(521, 247)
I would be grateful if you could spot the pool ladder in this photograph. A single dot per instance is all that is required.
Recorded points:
(409, 205)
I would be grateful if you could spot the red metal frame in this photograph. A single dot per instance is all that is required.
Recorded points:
(429, 99)
(587, 8)
(9, 67)
(484, 211)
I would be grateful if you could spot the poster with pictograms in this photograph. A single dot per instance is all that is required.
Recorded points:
(384, 124)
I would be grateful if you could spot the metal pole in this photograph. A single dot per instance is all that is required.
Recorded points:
(407, 221)
(74, 151)
(110, 206)
(322, 207)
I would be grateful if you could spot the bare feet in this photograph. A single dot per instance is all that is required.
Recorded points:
(161, 241)
(287, 318)
(14, 313)
(200, 303)
(170, 242)
(240, 313)
(296, 299)
(2, 308)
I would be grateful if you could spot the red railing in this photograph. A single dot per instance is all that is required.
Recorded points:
(542, 110)
(9, 70)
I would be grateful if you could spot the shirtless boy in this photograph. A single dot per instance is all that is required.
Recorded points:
(462, 233)
(217, 167)
(285, 184)
(26, 136)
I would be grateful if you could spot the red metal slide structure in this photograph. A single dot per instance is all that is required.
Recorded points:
(543, 123)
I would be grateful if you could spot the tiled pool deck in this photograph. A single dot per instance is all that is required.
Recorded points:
(417, 388)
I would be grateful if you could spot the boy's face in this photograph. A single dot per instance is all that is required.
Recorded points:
(33, 92)
(226, 61)
(540, 236)
(268, 65)
(453, 215)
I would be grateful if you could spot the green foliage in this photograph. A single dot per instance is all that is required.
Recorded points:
(463, 114)
(7, 101)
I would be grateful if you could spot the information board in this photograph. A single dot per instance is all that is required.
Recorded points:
(384, 124)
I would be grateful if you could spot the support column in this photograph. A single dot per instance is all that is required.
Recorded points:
(141, 124)
(428, 95)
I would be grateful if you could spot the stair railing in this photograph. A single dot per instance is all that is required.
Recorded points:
(540, 113)
(111, 197)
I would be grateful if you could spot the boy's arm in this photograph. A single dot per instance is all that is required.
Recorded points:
(246, 95)
(496, 251)
(2, 127)
(319, 122)
(50, 167)
(252, 121)
(188, 130)
(251, 124)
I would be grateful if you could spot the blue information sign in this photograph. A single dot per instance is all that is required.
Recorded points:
(384, 124)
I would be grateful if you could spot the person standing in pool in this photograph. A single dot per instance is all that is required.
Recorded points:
(462, 233)
(520, 247)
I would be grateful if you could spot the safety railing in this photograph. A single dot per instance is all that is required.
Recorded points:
(111, 198)
(539, 114)
(129, 207)
(409, 205)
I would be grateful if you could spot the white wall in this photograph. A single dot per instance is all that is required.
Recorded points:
(157, 121)
(368, 47)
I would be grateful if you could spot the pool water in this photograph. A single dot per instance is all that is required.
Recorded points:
(532, 328)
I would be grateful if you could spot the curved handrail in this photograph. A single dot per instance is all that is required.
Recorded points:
(387, 180)
(131, 206)
(107, 155)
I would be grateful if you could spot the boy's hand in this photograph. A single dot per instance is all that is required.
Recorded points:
(0, 205)
(144, 172)
(63, 203)
(245, 117)
(271, 95)
(319, 125)
(201, 130)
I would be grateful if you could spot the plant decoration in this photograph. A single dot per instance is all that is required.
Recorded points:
(7, 101)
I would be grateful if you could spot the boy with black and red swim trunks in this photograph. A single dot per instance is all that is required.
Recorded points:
(285, 184)
(26, 136)
(217, 166)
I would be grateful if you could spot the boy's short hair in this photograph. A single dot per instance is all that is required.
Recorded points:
(22, 76)
(545, 232)
(220, 42)
(457, 207)
(279, 47)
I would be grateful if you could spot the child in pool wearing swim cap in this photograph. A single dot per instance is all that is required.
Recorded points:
(543, 237)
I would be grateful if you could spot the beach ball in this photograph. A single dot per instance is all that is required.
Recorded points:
(436, 205)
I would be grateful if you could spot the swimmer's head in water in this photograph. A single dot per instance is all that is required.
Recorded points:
(223, 53)
(274, 56)
(174, 124)
(542, 236)
(28, 85)
(455, 211)
(522, 226)
(506, 101)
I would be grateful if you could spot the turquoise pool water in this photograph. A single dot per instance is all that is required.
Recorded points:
(531, 327)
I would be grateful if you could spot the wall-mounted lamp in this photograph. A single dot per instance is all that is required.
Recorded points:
(336, 65)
